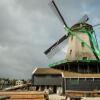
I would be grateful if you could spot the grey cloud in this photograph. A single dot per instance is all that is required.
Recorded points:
(28, 27)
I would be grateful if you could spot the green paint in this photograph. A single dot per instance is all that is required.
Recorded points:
(92, 37)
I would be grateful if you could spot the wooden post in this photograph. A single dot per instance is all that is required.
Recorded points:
(63, 86)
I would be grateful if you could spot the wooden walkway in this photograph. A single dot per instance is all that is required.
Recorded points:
(30, 95)
(94, 93)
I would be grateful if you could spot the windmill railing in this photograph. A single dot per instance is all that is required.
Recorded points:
(74, 61)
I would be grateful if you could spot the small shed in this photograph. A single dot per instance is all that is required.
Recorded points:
(45, 78)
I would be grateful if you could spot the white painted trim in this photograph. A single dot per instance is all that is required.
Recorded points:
(62, 74)
(34, 70)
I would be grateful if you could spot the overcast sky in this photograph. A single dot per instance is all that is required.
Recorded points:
(29, 27)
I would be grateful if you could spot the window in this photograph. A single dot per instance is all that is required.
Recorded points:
(70, 52)
(74, 81)
(84, 58)
(82, 44)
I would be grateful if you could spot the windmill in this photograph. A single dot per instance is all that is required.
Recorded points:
(81, 38)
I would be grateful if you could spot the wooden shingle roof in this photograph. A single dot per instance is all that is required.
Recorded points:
(65, 74)
(47, 71)
(80, 75)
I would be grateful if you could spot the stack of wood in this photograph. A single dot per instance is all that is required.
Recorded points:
(17, 87)
(29, 95)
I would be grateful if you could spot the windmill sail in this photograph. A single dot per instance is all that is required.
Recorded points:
(58, 13)
(84, 19)
(50, 52)
(55, 47)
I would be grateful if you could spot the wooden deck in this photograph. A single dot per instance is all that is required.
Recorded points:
(30, 95)
(94, 93)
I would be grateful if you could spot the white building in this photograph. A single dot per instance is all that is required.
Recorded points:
(19, 82)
